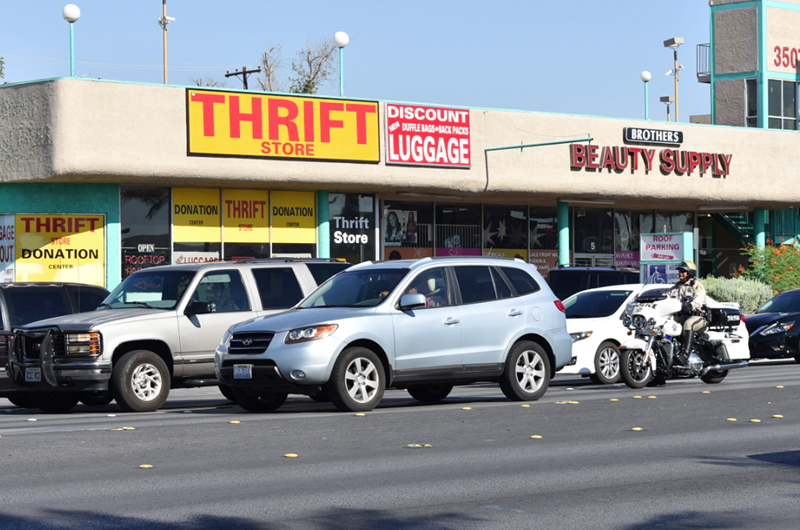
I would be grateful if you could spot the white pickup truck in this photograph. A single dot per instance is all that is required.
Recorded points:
(157, 330)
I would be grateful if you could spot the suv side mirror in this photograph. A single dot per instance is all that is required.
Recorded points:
(198, 308)
(411, 301)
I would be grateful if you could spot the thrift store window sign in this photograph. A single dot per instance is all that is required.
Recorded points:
(429, 136)
(196, 215)
(246, 216)
(634, 158)
(351, 230)
(60, 248)
(7, 244)
(222, 123)
(294, 217)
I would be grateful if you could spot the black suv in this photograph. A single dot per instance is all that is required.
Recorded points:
(23, 303)
(566, 281)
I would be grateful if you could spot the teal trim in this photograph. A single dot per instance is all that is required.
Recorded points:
(740, 75)
(563, 233)
(72, 49)
(742, 5)
(323, 225)
(712, 70)
(763, 122)
(69, 198)
(714, 246)
(758, 223)
(781, 75)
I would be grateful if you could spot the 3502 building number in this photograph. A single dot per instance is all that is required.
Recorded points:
(786, 56)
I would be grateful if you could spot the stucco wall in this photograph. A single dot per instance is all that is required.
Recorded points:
(736, 41)
(730, 96)
(106, 132)
(26, 131)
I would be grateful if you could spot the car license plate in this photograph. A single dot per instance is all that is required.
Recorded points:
(242, 371)
(33, 375)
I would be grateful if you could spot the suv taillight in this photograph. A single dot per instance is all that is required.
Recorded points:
(560, 306)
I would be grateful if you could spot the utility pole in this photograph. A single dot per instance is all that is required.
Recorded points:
(244, 73)
(163, 21)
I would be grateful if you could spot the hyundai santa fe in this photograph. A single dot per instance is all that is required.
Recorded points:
(423, 326)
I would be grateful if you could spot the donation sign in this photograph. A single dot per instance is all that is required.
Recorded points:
(196, 215)
(61, 248)
(293, 217)
(429, 136)
(227, 123)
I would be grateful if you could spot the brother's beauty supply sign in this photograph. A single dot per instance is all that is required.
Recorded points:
(427, 136)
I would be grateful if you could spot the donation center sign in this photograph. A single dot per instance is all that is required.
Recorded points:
(429, 136)
(225, 123)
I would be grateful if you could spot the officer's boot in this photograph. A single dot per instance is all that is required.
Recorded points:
(687, 338)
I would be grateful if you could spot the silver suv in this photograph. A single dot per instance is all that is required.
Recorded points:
(421, 325)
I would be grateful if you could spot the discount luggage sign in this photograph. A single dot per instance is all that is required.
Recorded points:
(427, 136)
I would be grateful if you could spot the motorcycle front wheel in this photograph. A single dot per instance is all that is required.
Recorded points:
(635, 370)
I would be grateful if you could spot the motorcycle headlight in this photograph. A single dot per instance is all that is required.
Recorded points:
(777, 327)
(580, 335)
(309, 333)
(626, 322)
(83, 344)
(639, 322)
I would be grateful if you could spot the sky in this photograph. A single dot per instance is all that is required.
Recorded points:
(575, 57)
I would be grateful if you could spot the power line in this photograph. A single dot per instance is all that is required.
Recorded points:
(244, 73)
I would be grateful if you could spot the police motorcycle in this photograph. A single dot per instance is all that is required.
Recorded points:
(655, 352)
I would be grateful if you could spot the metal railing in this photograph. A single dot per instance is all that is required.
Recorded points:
(704, 63)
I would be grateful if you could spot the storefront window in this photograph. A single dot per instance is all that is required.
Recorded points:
(594, 231)
(670, 222)
(458, 230)
(543, 237)
(627, 229)
(352, 226)
(505, 232)
(782, 104)
(144, 227)
(407, 229)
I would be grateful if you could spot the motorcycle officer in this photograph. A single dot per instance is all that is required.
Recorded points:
(692, 296)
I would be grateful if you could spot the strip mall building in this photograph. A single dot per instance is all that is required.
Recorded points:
(102, 178)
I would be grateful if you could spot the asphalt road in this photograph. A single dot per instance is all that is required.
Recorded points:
(413, 466)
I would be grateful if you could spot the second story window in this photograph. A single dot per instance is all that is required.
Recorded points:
(782, 104)
(751, 104)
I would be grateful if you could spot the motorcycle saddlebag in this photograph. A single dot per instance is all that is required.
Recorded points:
(720, 351)
(723, 318)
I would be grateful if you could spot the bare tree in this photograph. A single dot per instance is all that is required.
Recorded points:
(271, 64)
(208, 81)
(313, 65)
(2, 68)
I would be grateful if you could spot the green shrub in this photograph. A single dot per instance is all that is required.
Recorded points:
(777, 266)
(750, 294)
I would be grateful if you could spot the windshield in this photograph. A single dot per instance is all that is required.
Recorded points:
(362, 288)
(595, 304)
(154, 289)
(783, 303)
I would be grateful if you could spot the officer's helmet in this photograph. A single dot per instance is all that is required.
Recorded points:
(688, 267)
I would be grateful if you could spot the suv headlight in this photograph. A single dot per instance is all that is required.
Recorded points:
(777, 327)
(310, 333)
(226, 339)
(580, 335)
(83, 344)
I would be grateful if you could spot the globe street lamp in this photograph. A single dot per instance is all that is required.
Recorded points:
(71, 13)
(646, 76)
(341, 39)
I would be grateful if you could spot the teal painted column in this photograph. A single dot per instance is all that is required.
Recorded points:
(759, 222)
(563, 233)
(323, 225)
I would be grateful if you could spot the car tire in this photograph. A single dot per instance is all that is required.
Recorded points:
(431, 393)
(140, 381)
(261, 401)
(527, 372)
(96, 399)
(358, 380)
(636, 372)
(713, 377)
(21, 400)
(54, 402)
(606, 364)
(227, 392)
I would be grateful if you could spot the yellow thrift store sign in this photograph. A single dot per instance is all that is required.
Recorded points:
(224, 123)
(61, 248)
(246, 216)
(196, 215)
(294, 217)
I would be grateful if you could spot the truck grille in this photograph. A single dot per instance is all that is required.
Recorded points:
(29, 344)
(250, 343)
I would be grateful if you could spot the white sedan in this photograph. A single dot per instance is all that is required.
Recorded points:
(594, 320)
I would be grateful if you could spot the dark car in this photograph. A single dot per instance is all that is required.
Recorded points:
(775, 328)
(566, 281)
(23, 303)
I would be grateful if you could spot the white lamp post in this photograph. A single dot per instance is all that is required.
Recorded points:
(71, 13)
(341, 39)
(645, 77)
